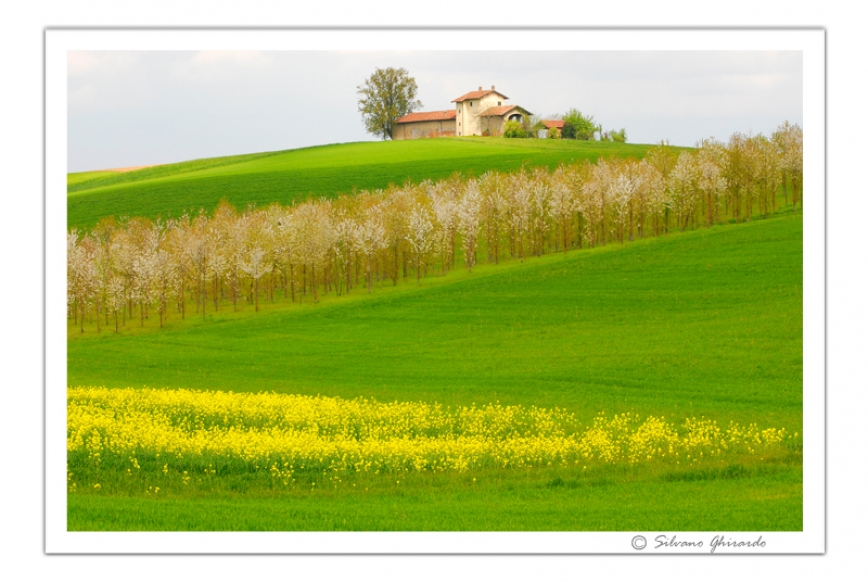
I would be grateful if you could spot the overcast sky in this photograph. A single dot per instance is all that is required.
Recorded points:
(154, 107)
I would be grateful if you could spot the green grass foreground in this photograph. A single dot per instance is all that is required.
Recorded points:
(707, 322)
(322, 171)
(766, 497)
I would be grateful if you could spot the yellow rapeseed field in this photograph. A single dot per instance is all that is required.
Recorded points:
(287, 433)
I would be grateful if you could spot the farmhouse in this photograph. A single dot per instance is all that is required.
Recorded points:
(481, 112)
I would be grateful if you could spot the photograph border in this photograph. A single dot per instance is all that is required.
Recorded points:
(57, 41)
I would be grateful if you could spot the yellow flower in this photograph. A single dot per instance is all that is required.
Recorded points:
(285, 434)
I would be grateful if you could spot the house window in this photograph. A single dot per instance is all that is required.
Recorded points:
(498, 103)
(471, 103)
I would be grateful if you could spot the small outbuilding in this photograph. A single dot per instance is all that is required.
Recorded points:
(552, 123)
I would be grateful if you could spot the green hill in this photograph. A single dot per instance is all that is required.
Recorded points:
(75, 179)
(707, 323)
(690, 324)
(704, 322)
(284, 176)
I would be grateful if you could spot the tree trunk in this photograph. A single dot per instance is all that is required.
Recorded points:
(313, 283)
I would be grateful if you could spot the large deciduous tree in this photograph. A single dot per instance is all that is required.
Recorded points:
(385, 96)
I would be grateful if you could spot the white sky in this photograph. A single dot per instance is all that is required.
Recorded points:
(152, 107)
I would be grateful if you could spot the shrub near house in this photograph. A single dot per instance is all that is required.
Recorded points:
(513, 129)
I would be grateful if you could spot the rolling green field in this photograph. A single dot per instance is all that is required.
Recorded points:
(73, 180)
(322, 171)
(707, 322)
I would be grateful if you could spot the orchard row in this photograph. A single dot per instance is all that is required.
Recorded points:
(141, 270)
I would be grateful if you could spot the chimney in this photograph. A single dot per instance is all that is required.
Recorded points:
(492, 87)
(480, 87)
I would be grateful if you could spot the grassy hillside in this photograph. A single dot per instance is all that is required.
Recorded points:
(262, 178)
(705, 322)
(76, 179)
(699, 323)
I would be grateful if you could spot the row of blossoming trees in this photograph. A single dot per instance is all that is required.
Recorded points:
(143, 270)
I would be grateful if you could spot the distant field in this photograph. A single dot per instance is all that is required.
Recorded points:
(707, 322)
(76, 179)
(322, 171)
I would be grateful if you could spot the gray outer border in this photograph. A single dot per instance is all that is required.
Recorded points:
(459, 28)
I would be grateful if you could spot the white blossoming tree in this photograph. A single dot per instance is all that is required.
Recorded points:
(324, 246)
(420, 236)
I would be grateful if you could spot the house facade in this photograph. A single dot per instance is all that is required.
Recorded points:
(481, 112)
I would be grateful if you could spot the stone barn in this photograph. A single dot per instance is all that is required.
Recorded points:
(425, 124)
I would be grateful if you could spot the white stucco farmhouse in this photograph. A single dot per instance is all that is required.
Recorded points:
(481, 112)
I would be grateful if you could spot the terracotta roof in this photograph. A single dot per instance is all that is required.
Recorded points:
(498, 111)
(550, 123)
(427, 116)
(478, 95)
